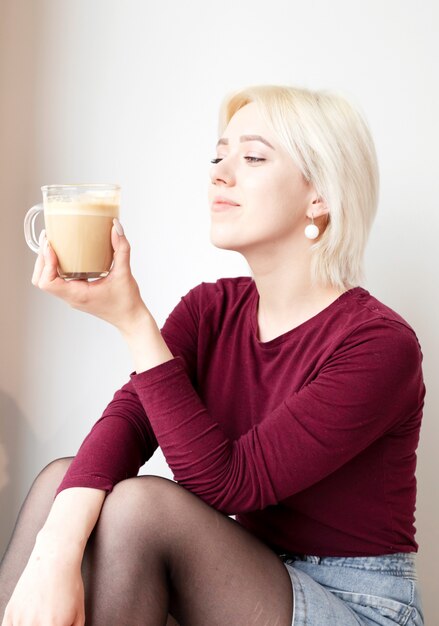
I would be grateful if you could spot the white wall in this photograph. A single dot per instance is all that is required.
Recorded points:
(127, 91)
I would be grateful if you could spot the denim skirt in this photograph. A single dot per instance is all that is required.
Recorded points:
(355, 591)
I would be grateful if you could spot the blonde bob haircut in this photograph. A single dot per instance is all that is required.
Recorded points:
(330, 142)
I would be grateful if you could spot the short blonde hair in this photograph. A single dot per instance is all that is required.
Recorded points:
(330, 142)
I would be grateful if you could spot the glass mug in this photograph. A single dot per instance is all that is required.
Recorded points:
(78, 221)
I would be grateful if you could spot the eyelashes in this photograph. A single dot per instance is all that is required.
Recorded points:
(249, 159)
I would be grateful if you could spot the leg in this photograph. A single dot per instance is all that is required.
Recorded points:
(32, 516)
(158, 547)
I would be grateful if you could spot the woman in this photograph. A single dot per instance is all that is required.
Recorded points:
(291, 399)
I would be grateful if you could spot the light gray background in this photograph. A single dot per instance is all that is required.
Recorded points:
(128, 91)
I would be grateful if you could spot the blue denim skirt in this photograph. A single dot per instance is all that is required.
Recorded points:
(355, 591)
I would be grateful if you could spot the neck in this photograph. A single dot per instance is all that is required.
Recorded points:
(286, 296)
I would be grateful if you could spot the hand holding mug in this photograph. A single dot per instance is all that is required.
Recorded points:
(83, 237)
(115, 298)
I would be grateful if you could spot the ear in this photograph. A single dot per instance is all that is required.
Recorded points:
(317, 208)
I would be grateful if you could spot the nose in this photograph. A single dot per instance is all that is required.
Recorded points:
(222, 174)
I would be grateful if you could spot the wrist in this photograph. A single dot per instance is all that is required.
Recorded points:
(139, 321)
(70, 521)
(55, 545)
(145, 343)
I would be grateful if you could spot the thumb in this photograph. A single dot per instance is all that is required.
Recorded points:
(120, 245)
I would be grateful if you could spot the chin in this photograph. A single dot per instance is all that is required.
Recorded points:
(223, 245)
(225, 240)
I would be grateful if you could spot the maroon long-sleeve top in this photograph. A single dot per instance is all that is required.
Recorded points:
(309, 439)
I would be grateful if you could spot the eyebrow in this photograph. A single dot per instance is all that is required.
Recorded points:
(225, 142)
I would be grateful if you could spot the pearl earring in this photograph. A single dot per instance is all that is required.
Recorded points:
(312, 231)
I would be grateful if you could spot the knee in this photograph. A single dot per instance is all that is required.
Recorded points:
(144, 502)
(147, 493)
(55, 470)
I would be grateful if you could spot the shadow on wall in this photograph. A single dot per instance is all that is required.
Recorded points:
(15, 435)
(20, 47)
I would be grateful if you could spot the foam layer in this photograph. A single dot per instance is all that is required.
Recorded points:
(91, 206)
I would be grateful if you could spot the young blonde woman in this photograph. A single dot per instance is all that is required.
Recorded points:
(291, 399)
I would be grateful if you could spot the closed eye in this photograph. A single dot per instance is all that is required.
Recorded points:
(249, 159)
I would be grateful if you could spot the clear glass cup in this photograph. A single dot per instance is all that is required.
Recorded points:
(78, 221)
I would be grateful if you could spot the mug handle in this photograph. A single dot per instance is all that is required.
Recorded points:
(29, 227)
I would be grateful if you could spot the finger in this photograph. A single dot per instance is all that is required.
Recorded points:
(50, 270)
(74, 292)
(79, 621)
(39, 263)
(121, 247)
(49, 279)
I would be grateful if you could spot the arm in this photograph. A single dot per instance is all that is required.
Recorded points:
(370, 385)
(123, 439)
(70, 522)
(50, 589)
(120, 442)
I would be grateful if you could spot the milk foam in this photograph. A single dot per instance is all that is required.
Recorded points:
(92, 206)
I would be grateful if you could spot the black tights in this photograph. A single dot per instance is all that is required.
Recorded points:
(159, 552)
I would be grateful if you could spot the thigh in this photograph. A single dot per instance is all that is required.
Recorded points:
(218, 572)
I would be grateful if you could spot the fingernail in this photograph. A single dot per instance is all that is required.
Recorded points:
(42, 237)
(118, 227)
(46, 247)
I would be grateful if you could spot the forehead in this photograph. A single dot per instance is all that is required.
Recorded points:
(248, 121)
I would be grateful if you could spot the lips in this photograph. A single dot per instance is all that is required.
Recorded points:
(223, 204)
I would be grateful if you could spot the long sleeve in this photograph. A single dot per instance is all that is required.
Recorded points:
(370, 385)
(122, 440)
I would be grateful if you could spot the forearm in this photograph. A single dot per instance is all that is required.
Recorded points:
(70, 522)
(50, 588)
(145, 343)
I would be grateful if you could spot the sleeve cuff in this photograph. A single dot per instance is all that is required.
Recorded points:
(91, 481)
(158, 374)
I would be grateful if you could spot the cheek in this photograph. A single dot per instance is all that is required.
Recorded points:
(280, 198)
(295, 191)
(262, 192)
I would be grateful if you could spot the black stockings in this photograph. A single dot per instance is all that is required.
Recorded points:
(158, 549)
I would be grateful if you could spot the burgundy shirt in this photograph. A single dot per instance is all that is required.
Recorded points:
(309, 439)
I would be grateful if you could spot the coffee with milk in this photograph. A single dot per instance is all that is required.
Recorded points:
(78, 221)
